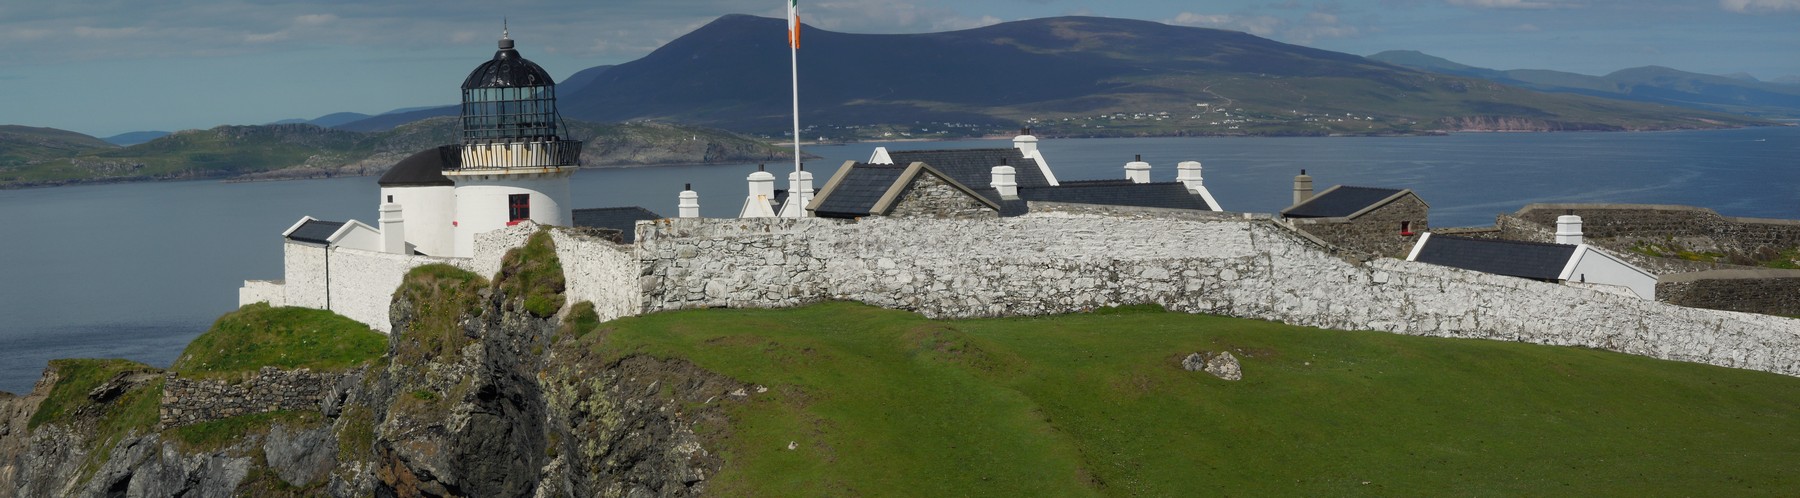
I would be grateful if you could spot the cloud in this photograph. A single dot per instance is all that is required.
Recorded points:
(1253, 24)
(1319, 23)
(1526, 28)
(1508, 4)
(1760, 6)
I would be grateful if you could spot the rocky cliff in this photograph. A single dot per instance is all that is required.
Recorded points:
(482, 392)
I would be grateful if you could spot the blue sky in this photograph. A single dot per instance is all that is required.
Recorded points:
(104, 67)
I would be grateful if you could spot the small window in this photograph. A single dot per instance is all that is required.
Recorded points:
(390, 199)
(518, 207)
(1406, 229)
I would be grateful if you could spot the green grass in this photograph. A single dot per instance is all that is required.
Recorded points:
(442, 295)
(133, 412)
(532, 272)
(258, 335)
(887, 403)
(215, 435)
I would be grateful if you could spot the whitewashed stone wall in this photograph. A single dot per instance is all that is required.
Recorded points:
(1058, 262)
(262, 291)
(600, 272)
(363, 282)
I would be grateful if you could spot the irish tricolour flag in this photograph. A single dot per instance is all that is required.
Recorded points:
(794, 23)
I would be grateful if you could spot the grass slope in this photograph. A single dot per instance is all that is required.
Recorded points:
(258, 335)
(885, 402)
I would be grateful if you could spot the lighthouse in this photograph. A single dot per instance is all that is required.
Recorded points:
(513, 163)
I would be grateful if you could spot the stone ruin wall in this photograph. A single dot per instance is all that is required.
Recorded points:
(1766, 291)
(1650, 221)
(191, 401)
(1048, 263)
(931, 197)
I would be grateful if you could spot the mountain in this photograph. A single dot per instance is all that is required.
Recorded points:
(1071, 76)
(36, 157)
(1739, 93)
(21, 145)
(391, 119)
(581, 79)
(135, 137)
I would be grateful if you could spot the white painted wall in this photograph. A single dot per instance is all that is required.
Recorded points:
(1594, 266)
(303, 274)
(481, 203)
(428, 212)
(262, 291)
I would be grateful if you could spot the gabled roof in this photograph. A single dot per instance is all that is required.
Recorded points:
(1168, 195)
(314, 231)
(862, 189)
(1344, 202)
(855, 189)
(424, 168)
(1536, 260)
(623, 219)
(974, 168)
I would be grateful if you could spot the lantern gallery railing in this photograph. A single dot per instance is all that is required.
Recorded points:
(521, 155)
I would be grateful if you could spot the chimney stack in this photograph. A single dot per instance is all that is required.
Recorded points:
(762, 192)
(1137, 170)
(1568, 229)
(1026, 143)
(1003, 181)
(800, 193)
(393, 229)
(1188, 173)
(689, 206)
(1302, 188)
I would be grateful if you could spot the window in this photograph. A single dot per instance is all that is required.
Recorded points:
(1406, 229)
(390, 199)
(518, 207)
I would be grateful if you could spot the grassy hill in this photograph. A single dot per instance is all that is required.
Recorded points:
(306, 151)
(881, 402)
(25, 144)
(1079, 76)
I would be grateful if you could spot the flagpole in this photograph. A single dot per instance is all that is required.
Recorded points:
(794, 63)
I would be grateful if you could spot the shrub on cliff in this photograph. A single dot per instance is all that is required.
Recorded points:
(259, 335)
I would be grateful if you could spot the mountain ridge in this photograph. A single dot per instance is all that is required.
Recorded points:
(1652, 84)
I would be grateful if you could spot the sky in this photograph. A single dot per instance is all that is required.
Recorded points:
(104, 67)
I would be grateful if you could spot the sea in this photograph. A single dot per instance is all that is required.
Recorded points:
(137, 270)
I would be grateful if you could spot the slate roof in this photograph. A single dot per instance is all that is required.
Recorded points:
(1339, 201)
(861, 187)
(623, 219)
(974, 168)
(1500, 257)
(315, 231)
(424, 168)
(1170, 195)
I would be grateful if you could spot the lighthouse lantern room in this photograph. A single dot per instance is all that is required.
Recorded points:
(514, 163)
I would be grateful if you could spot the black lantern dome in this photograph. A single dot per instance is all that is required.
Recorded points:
(509, 99)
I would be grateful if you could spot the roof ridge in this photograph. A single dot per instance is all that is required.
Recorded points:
(1435, 236)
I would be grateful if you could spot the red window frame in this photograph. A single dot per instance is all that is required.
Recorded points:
(518, 208)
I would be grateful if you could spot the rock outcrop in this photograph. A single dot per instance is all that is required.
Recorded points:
(476, 396)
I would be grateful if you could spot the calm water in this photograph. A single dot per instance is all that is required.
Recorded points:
(137, 270)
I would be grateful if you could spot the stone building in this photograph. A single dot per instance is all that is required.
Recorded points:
(990, 183)
(1567, 260)
(1380, 221)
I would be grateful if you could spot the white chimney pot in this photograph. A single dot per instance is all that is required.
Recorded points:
(1004, 181)
(1568, 229)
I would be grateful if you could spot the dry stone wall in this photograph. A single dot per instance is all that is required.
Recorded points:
(191, 401)
(1767, 291)
(1056, 262)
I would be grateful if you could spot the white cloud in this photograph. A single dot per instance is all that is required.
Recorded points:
(1253, 24)
(314, 19)
(1508, 4)
(1526, 28)
(1760, 6)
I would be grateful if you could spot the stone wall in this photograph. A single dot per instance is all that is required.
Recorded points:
(1655, 220)
(192, 401)
(1057, 262)
(1767, 291)
(1375, 232)
(931, 197)
(262, 291)
(362, 282)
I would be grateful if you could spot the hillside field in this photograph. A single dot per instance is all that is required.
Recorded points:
(887, 403)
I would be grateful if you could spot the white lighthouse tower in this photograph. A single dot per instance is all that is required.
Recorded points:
(514, 164)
